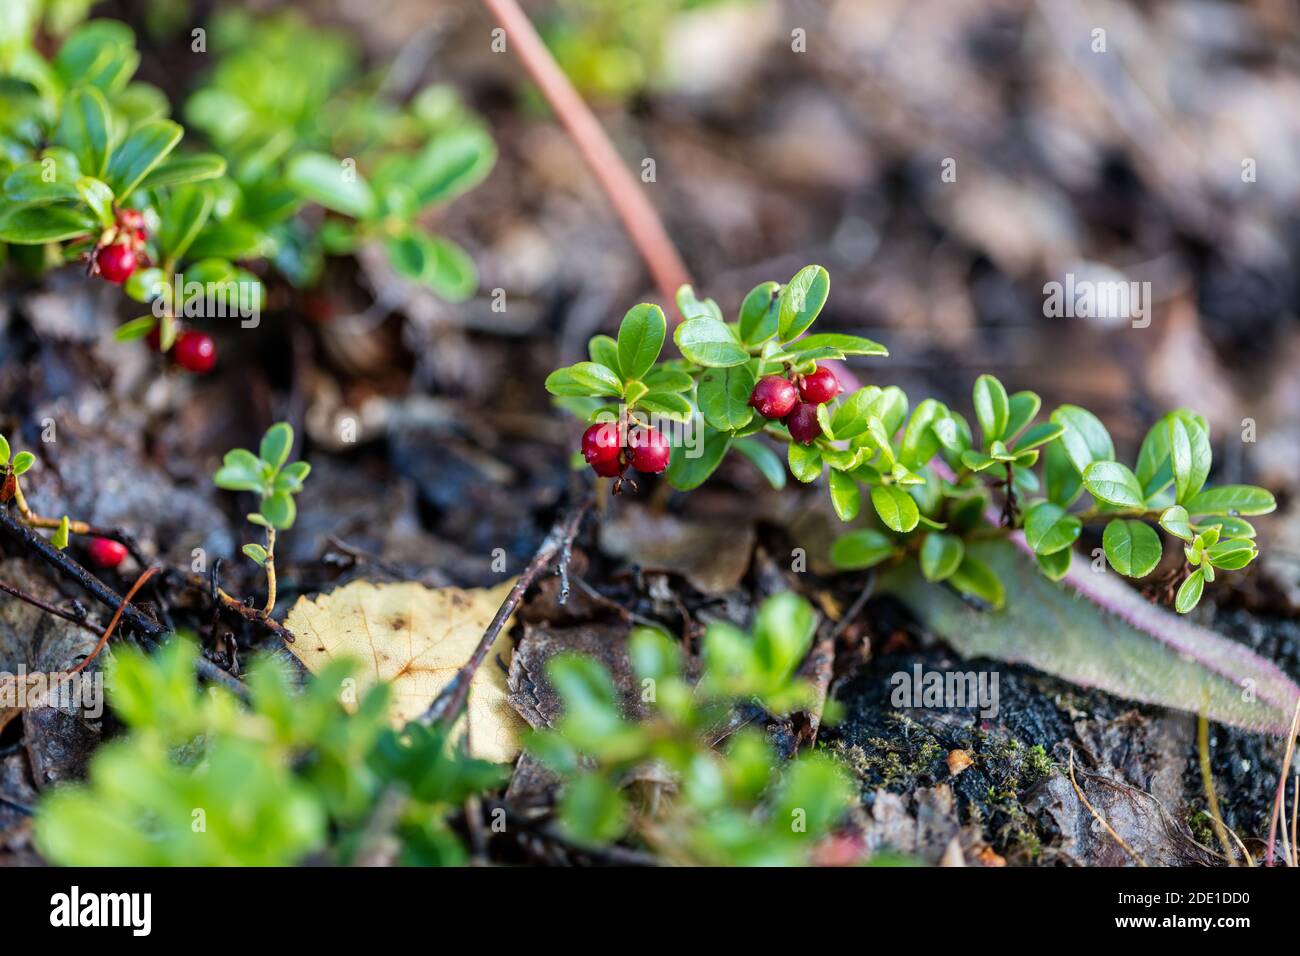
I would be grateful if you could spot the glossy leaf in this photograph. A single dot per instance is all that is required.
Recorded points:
(1132, 548)
(801, 301)
(640, 339)
(1114, 484)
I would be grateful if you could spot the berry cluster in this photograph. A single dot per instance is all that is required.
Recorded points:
(121, 248)
(609, 448)
(795, 401)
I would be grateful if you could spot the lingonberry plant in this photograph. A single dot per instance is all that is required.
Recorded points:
(930, 483)
(738, 805)
(90, 170)
(317, 128)
(201, 780)
(275, 481)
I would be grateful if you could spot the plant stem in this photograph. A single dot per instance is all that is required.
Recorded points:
(446, 707)
(270, 571)
(625, 194)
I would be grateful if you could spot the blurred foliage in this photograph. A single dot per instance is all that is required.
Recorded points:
(202, 780)
(739, 805)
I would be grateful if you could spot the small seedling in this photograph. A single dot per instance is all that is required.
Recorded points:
(275, 481)
(929, 482)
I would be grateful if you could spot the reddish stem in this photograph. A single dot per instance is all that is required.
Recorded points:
(639, 217)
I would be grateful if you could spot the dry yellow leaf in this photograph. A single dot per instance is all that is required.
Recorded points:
(415, 638)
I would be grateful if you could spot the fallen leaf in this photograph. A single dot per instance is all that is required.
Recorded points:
(711, 552)
(415, 638)
(958, 760)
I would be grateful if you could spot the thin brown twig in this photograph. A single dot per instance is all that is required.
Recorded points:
(50, 608)
(625, 194)
(145, 575)
(1099, 818)
(149, 629)
(446, 707)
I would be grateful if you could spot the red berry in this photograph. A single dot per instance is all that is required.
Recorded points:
(650, 450)
(610, 468)
(106, 553)
(600, 442)
(819, 386)
(802, 423)
(774, 396)
(116, 263)
(195, 352)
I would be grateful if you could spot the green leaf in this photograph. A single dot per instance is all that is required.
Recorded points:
(435, 262)
(710, 343)
(759, 312)
(941, 555)
(1049, 529)
(805, 461)
(98, 196)
(1055, 565)
(801, 301)
(859, 550)
(451, 165)
(1039, 435)
(1189, 457)
(5, 451)
(146, 146)
(1231, 500)
(50, 179)
(1021, 409)
(992, 407)
(1176, 521)
(175, 170)
(37, 225)
(897, 509)
(664, 378)
(184, 212)
(584, 379)
(920, 443)
(274, 449)
(331, 183)
(846, 496)
(1084, 437)
(1231, 555)
(1189, 593)
(279, 510)
(764, 459)
(977, 579)
(592, 811)
(723, 396)
(22, 462)
(240, 471)
(135, 329)
(1064, 483)
(783, 631)
(668, 404)
(256, 553)
(1228, 527)
(1114, 484)
(847, 344)
(685, 473)
(692, 307)
(100, 53)
(604, 350)
(85, 127)
(60, 537)
(640, 339)
(1132, 547)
